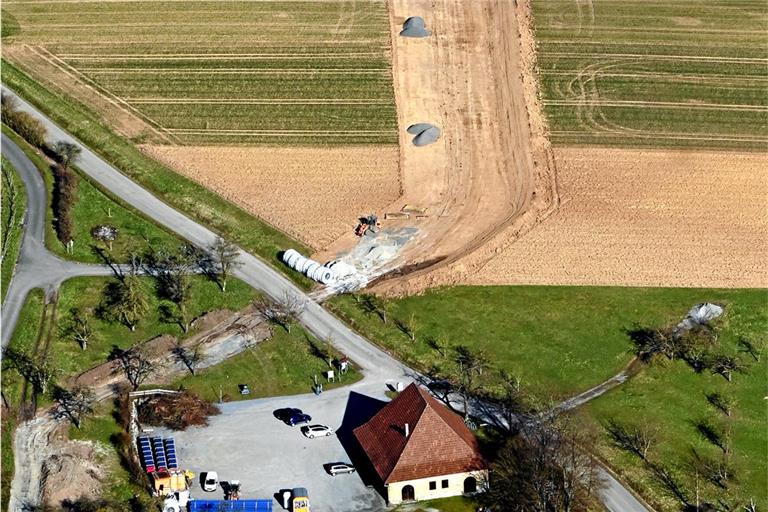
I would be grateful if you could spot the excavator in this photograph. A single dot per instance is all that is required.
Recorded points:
(370, 223)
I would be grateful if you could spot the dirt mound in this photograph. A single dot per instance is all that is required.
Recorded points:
(72, 473)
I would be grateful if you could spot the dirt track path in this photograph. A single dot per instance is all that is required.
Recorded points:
(480, 176)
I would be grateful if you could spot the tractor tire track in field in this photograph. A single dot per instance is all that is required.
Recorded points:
(77, 77)
(120, 102)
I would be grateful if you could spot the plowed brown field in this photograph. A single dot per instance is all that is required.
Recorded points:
(640, 218)
(314, 193)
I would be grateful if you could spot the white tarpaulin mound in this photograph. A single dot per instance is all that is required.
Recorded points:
(699, 314)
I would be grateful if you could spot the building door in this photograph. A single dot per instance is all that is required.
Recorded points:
(408, 493)
(470, 485)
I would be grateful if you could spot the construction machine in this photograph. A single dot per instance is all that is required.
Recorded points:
(370, 223)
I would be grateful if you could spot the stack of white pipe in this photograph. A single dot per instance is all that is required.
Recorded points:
(308, 267)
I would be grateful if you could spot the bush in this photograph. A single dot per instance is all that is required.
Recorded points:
(22, 123)
(64, 198)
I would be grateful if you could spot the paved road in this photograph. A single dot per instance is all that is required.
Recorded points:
(36, 267)
(376, 364)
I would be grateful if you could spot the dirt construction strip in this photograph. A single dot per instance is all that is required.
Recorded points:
(490, 167)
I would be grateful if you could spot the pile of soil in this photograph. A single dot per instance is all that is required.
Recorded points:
(176, 412)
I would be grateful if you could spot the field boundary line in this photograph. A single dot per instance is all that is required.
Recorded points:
(662, 104)
(640, 56)
(258, 101)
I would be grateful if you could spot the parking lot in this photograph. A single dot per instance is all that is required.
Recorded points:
(246, 442)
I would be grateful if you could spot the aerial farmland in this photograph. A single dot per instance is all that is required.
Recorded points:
(549, 215)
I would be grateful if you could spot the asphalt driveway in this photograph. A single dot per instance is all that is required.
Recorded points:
(247, 443)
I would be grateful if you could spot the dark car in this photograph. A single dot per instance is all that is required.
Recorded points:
(299, 419)
(285, 414)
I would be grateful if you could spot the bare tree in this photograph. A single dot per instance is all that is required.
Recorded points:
(67, 153)
(39, 373)
(407, 327)
(725, 365)
(282, 312)
(547, 469)
(73, 404)
(79, 326)
(512, 402)
(717, 471)
(470, 366)
(637, 439)
(226, 257)
(750, 348)
(722, 402)
(371, 304)
(189, 357)
(125, 300)
(439, 344)
(135, 363)
(172, 271)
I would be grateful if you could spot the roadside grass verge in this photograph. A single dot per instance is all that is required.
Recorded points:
(14, 204)
(282, 365)
(179, 192)
(95, 207)
(671, 397)
(24, 338)
(680, 74)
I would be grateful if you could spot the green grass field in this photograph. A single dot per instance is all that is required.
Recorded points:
(87, 293)
(14, 202)
(558, 340)
(671, 395)
(241, 72)
(563, 340)
(94, 207)
(658, 73)
(199, 203)
(282, 365)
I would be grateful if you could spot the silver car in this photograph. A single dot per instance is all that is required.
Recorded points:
(312, 431)
(339, 468)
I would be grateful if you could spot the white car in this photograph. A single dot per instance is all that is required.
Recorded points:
(312, 431)
(211, 481)
(339, 468)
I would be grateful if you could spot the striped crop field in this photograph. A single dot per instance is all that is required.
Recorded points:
(665, 73)
(220, 72)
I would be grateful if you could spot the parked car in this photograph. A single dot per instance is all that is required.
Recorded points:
(338, 468)
(210, 481)
(299, 418)
(312, 431)
(284, 414)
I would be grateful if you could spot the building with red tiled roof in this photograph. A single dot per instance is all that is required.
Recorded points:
(421, 450)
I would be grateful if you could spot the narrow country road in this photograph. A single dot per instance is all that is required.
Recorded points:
(375, 363)
(36, 266)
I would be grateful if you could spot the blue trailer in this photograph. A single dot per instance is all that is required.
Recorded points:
(229, 506)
